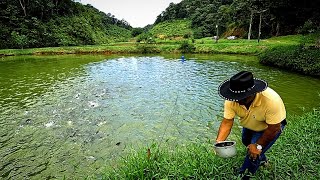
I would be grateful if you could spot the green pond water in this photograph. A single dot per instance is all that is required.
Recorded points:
(70, 116)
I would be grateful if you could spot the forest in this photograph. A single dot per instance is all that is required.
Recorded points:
(233, 17)
(47, 23)
(56, 23)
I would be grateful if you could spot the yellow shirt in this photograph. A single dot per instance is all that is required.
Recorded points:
(266, 108)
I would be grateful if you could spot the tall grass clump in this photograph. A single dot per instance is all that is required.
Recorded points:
(293, 156)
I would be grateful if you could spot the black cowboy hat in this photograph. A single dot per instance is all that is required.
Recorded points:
(240, 86)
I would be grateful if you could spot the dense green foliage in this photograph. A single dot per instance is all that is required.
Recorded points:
(305, 60)
(44, 23)
(294, 155)
(233, 16)
(186, 47)
(48, 23)
(302, 57)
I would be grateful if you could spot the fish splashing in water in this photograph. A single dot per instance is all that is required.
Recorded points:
(93, 104)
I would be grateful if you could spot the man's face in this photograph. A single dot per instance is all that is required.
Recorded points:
(247, 100)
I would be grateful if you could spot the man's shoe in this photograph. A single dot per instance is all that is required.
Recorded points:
(238, 172)
(246, 177)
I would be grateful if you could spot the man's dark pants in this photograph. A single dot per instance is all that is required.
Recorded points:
(251, 137)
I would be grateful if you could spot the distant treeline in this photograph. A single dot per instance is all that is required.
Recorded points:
(233, 17)
(53, 23)
(44, 23)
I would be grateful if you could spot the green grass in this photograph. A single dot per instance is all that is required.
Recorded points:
(172, 29)
(293, 156)
(295, 53)
(204, 45)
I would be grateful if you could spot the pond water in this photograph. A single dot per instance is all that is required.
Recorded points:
(69, 116)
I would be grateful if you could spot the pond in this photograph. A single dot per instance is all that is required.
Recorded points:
(71, 115)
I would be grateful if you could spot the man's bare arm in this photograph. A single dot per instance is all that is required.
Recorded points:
(269, 134)
(225, 129)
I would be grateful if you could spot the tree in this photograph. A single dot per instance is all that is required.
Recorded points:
(137, 31)
(43, 23)
(23, 4)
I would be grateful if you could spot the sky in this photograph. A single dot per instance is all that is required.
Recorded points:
(138, 13)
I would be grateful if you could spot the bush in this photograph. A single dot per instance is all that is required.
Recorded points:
(186, 47)
(19, 40)
(147, 48)
(308, 27)
(145, 37)
(136, 31)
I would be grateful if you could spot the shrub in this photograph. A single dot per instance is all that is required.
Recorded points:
(20, 40)
(144, 37)
(308, 27)
(186, 47)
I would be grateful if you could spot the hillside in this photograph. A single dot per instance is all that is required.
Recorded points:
(57, 23)
(47, 23)
(233, 17)
(172, 29)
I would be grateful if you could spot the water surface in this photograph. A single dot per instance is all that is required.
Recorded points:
(72, 115)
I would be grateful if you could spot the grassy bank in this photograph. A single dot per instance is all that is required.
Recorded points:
(297, 58)
(296, 53)
(205, 45)
(303, 57)
(293, 156)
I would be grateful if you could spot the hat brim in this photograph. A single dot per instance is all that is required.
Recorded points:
(226, 93)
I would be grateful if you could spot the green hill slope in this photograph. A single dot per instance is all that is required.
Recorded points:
(282, 17)
(175, 29)
(64, 23)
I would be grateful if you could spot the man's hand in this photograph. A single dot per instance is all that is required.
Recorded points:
(253, 151)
